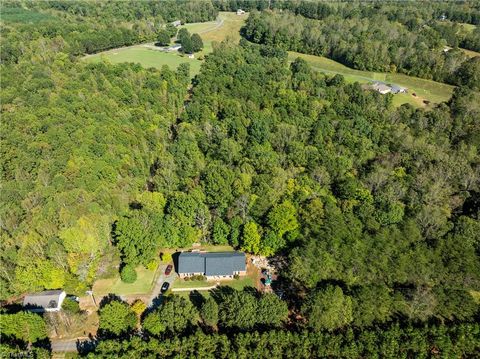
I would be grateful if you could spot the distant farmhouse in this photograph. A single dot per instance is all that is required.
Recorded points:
(240, 12)
(221, 265)
(176, 23)
(384, 88)
(48, 301)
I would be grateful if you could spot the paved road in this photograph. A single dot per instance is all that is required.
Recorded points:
(162, 278)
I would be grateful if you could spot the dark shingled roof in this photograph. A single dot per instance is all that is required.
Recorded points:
(191, 263)
(218, 263)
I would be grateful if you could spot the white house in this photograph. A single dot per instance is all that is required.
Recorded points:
(240, 12)
(176, 23)
(381, 87)
(48, 301)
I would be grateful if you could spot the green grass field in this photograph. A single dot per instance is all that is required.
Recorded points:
(432, 91)
(180, 283)
(142, 285)
(147, 58)
(468, 27)
(227, 25)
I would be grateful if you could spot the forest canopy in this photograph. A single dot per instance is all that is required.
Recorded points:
(373, 209)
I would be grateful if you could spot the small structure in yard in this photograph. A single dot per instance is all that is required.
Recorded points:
(381, 88)
(240, 12)
(173, 48)
(176, 23)
(216, 265)
(191, 56)
(48, 301)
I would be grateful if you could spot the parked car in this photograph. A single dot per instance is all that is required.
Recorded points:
(169, 269)
(165, 287)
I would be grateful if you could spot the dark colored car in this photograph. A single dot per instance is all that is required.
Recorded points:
(165, 287)
(169, 269)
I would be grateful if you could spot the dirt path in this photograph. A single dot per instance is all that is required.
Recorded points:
(194, 288)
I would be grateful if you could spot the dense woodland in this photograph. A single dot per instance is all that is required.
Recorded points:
(374, 43)
(375, 209)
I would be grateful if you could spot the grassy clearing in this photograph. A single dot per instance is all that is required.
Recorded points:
(468, 27)
(142, 285)
(180, 283)
(240, 283)
(435, 92)
(227, 25)
(471, 53)
(147, 58)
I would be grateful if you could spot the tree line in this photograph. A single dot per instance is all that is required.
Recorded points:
(84, 27)
(372, 43)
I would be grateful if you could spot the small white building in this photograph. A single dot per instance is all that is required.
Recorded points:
(173, 48)
(48, 301)
(240, 12)
(191, 56)
(176, 23)
(381, 88)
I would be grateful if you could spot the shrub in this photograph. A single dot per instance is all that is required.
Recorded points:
(152, 265)
(71, 306)
(236, 276)
(166, 257)
(128, 274)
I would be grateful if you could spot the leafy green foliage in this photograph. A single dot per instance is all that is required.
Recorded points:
(117, 318)
(328, 309)
(174, 316)
(209, 312)
(242, 310)
(390, 342)
(372, 42)
(26, 326)
(163, 38)
(128, 274)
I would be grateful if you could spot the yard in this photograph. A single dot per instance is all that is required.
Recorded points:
(143, 284)
(435, 92)
(227, 25)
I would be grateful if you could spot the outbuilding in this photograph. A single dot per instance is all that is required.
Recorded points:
(48, 301)
(398, 89)
(176, 23)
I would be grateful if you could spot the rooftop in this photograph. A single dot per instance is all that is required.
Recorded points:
(211, 264)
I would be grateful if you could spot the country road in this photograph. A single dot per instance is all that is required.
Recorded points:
(63, 346)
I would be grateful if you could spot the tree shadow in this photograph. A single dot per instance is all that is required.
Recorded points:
(253, 291)
(196, 298)
(86, 346)
(219, 293)
(108, 299)
(175, 260)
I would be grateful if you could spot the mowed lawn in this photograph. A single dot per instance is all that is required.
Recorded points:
(227, 25)
(432, 91)
(142, 285)
(147, 58)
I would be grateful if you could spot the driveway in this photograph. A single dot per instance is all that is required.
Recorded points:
(162, 278)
